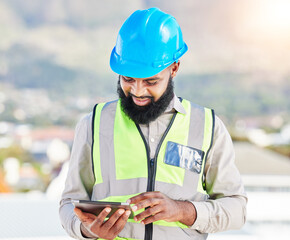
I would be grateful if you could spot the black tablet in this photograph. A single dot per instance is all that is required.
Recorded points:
(95, 207)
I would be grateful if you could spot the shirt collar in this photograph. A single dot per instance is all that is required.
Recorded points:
(176, 105)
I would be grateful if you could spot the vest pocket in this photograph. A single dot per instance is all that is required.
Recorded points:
(183, 156)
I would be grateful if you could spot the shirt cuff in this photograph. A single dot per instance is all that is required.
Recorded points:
(77, 228)
(202, 216)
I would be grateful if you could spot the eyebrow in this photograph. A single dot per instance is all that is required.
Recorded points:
(150, 79)
(147, 79)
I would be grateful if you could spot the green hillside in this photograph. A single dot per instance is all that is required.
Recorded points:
(64, 47)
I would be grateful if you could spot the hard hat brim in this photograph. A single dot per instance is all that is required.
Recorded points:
(139, 69)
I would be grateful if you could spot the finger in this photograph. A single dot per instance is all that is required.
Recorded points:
(120, 223)
(102, 215)
(98, 222)
(143, 196)
(83, 216)
(112, 220)
(148, 212)
(150, 202)
(157, 217)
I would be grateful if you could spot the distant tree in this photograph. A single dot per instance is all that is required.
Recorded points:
(15, 151)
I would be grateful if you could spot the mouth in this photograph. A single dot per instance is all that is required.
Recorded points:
(141, 101)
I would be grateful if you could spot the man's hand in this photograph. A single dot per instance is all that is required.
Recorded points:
(161, 207)
(95, 226)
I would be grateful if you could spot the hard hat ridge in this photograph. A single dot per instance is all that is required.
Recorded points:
(148, 42)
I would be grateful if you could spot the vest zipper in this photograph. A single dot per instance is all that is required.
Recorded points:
(148, 227)
(149, 186)
(151, 162)
(158, 149)
(152, 170)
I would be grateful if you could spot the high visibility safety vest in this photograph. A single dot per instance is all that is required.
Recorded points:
(123, 168)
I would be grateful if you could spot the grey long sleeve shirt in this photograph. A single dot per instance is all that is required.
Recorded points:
(226, 207)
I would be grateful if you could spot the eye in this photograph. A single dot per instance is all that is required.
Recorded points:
(151, 83)
(128, 80)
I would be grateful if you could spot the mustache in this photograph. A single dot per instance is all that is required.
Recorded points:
(142, 97)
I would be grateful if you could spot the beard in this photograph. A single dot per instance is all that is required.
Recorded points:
(150, 112)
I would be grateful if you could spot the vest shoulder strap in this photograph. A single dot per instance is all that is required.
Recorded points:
(209, 125)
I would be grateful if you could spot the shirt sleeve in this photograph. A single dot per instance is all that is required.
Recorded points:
(226, 207)
(80, 178)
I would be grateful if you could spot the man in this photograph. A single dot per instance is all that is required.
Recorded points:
(172, 160)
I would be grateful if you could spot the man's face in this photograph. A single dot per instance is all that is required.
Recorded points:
(143, 90)
(145, 99)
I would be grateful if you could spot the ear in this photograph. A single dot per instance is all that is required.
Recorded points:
(174, 68)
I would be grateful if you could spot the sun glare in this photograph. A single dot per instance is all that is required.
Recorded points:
(272, 16)
(263, 27)
(277, 13)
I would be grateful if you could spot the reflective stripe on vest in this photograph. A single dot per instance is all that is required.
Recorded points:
(121, 163)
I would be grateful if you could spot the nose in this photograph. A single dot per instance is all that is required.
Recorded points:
(138, 89)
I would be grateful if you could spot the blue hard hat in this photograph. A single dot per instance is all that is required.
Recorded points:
(148, 42)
